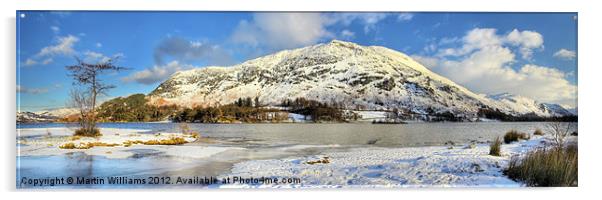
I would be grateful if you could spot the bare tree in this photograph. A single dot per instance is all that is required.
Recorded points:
(560, 131)
(86, 77)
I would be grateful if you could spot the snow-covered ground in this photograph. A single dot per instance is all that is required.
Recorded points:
(371, 115)
(438, 166)
(327, 166)
(46, 142)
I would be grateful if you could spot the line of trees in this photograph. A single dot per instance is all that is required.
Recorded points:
(134, 108)
(529, 117)
(242, 110)
(318, 111)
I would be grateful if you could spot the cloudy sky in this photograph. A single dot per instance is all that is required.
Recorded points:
(528, 54)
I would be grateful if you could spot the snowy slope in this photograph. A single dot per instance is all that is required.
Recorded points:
(49, 115)
(30, 117)
(369, 78)
(520, 105)
(58, 112)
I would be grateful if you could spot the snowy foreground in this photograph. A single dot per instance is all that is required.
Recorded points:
(335, 166)
(460, 166)
(51, 138)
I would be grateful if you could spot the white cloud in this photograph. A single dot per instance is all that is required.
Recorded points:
(448, 40)
(429, 62)
(347, 34)
(184, 50)
(483, 63)
(405, 17)
(98, 44)
(63, 46)
(282, 30)
(474, 39)
(95, 57)
(565, 54)
(478, 38)
(55, 29)
(277, 31)
(21, 89)
(30, 62)
(368, 20)
(526, 41)
(47, 61)
(430, 48)
(156, 73)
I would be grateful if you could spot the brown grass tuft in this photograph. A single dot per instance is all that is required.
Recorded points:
(514, 136)
(550, 166)
(538, 132)
(87, 133)
(323, 160)
(88, 145)
(170, 141)
(495, 147)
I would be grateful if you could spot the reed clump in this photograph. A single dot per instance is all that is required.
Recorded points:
(495, 148)
(514, 136)
(546, 166)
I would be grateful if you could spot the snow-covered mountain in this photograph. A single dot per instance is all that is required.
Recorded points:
(519, 105)
(365, 77)
(30, 117)
(58, 112)
(45, 115)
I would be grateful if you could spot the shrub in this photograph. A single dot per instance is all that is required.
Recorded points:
(548, 166)
(513, 136)
(323, 160)
(87, 132)
(560, 131)
(88, 145)
(69, 145)
(495, 147)
(538, 132)
(100, 144)
(170, 141)
(186, 131)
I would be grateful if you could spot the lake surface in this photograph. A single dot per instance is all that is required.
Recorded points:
(261, 141)
(386, 135)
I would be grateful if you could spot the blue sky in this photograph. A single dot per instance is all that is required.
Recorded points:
(528, 54)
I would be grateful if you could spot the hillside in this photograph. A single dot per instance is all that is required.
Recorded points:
(356, 77)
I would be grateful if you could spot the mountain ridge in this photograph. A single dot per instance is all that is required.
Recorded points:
(355, 76)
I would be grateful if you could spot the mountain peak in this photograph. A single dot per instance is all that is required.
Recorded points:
(341, 72)
(335, 41)
(340, 43)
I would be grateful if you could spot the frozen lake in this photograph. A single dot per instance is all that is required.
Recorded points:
(386, 135)
(258, 141)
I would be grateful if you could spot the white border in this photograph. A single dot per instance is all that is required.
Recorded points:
(589, 93)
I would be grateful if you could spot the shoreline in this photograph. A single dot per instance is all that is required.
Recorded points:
(432, 166)
(317, 166)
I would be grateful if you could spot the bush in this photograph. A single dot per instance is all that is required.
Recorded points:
(69, 145)
(495, 147)
(87, 132)
(538, 132)
(549, 166)
(170, 141)
(88, 145)
(513, 136)
(187, 131)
